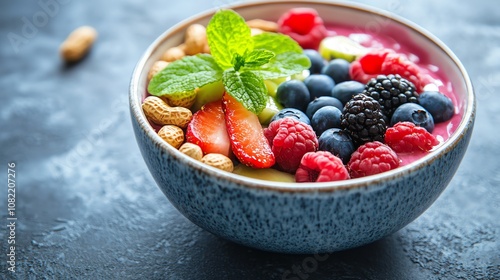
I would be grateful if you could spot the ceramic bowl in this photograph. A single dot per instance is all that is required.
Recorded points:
(305, 218)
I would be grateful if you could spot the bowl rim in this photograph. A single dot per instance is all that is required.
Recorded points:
(293, 187)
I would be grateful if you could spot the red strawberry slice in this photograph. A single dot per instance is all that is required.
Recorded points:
(246, 135)
(207, 129)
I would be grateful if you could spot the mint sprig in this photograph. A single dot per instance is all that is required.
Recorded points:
(186, 75)
(243, 86)
(241, 61)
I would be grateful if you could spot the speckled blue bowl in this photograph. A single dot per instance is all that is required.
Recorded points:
(304, 218)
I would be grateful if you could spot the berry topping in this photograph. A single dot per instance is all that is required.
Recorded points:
(406, 137)
(346, 90)
(304, 26)
(293, 113)
(319, 85)
(207, 129)
(290, 139)
(320, 166)
(372, 158)
(246, 135)
(387, 62)
(325, 118)
(368, 66)
(317, 61)
(293, 94)
(391, 91)
(338, 70)
(399, 64)
(363, 119)
(411, 112)
(337, 142)
(439, 105)
(321, 102)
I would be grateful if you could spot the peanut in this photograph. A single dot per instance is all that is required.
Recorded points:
(78, 43)
(172, 134)
(264, 25)
(195, 39)
(157, 67)
(183, 99)
(218, 161)
(206, 48)
(173, 54)
(159, 112)
(191, 150)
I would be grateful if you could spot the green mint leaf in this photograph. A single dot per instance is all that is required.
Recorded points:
(247, 88)
(258, 57)
(276, 43)
(238, 61)
(283, 65)
(228, 35)
(185, 75)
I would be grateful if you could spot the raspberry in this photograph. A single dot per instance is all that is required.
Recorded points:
(372, 158)
(385, 61)
(363, 119)
(321, 166)
(391, 91)
(304, 25)
(290, 139)
(371, 62)
(407, 137)
(398, 64)
(368, 66)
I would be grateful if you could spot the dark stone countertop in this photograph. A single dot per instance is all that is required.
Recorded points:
(88, 208)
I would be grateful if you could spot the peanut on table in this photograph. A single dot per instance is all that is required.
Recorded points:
(78, 44)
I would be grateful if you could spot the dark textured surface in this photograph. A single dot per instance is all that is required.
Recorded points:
(88, 208)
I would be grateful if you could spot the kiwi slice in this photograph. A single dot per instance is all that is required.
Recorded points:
(340, 47)
(272, 108)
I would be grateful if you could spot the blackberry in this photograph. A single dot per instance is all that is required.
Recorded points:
(391, 91)
(363, 120)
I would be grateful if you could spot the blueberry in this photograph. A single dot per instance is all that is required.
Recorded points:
(439, 105)
(411, 112)
(337, 142)
(293, 113)
(319, 85)
(346, 90)
(325, 118)
(338, 70)
(293, 94)
(317, 61)
(320, 102)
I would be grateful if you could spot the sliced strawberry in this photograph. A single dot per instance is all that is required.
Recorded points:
(246, 135)
(207, 129)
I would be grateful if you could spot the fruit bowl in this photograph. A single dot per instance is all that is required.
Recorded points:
(306, 217)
